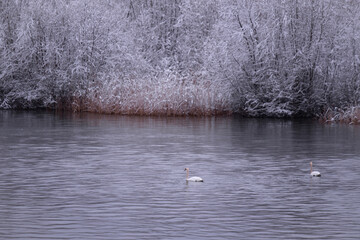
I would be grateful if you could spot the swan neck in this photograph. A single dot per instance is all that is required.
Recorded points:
(187, 173)
(311, 168)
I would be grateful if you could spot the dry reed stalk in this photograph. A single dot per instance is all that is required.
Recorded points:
(163, 96)
(349, 116)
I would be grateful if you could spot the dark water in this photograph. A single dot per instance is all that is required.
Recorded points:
(110, 177)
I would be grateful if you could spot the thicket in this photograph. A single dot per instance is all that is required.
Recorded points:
(181, 57)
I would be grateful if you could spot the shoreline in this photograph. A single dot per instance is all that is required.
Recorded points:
(349, 116)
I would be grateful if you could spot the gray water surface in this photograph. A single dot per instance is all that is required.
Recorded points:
(88, 176)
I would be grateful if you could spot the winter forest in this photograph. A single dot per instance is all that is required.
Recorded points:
(278, 58)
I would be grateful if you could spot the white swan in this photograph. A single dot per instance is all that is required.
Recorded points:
(192, 179)
(314, 173)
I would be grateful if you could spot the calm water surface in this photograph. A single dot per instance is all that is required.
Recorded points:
(86, 176)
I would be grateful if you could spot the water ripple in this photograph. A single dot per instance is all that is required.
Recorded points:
(122, 178)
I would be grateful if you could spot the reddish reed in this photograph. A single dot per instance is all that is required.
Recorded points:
(349, 115)
(168, 95)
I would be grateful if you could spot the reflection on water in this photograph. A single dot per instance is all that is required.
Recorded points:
(86, 176)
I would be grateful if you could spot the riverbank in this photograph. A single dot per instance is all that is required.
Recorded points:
(186, 107)
(199, 58)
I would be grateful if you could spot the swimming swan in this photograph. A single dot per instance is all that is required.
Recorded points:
(314, 173)
(192, 179)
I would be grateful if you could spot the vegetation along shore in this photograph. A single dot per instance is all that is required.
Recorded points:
(255, 58)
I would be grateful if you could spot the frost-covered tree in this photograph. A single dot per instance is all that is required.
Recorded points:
(276, 54)
(270, 58)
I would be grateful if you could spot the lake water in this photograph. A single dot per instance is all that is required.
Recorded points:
(88, 176)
